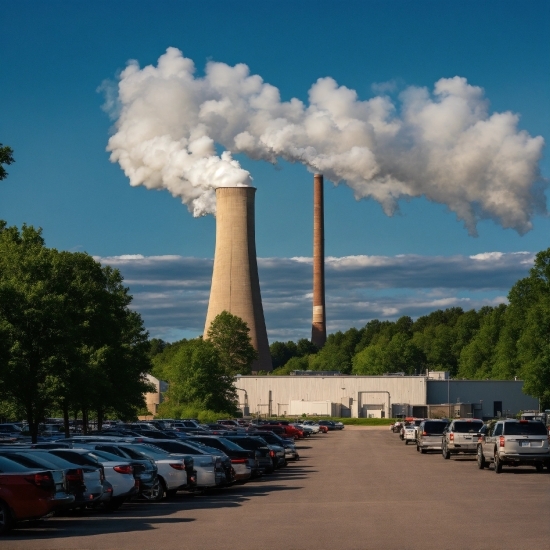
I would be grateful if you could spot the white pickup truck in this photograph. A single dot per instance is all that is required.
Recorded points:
(461, 437)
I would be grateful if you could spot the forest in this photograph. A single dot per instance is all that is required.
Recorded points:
(502, 343)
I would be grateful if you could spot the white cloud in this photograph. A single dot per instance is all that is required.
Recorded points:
(442, 144)
(171, 292)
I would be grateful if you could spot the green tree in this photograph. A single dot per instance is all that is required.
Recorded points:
(32, 321)
(6, 157)
(197, 377)
(230, 337)
(294, 363)
(281, 352)
(477, 359)
(70, 340)
(527, 325)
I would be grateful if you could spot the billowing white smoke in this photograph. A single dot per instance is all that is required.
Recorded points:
(444, 146)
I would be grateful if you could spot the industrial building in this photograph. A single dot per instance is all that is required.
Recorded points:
(433, 395)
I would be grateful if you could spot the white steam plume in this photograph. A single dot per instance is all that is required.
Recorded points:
(444, 146)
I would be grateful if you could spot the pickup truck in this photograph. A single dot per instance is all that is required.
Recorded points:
(461, 437)
(514, 443)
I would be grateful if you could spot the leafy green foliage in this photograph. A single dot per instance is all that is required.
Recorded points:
(230, 337)
(6, 157)
(68, 338)
(197, 378)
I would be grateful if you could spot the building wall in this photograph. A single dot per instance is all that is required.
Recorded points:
(482, 394)
(154, 399)
(362, 390)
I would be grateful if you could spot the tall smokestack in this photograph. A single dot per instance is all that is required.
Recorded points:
(319, 324)
(235, 282)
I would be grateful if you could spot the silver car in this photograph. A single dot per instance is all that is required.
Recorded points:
(514, 443)
(461, 437)
(429, 434)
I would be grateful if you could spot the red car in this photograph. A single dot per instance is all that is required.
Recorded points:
(289, 430)
(27, 493)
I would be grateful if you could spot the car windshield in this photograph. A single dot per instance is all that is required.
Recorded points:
(104, 456)
(435, 428)
(467, 427)
(76, 458)
(49, 459)
(149, 450)
(527, 428)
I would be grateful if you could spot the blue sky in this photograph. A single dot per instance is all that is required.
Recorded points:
(55, 55)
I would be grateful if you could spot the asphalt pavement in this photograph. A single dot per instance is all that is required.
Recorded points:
(355, 489)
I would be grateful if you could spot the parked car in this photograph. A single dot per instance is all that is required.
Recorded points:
(145, 468)
(118, 472)
(210, 469)
(268, 458)
(244, 462)
(29, 493)
(174, 472)
(461, 436)
(86, 483)
(331, 425)
(514, 443)
(429, 435)
(409, 433)
(273, 439)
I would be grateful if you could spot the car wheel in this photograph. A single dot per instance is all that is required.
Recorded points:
(497, 464)
(539, 466)
(480, 458)
(417, 448)
(423, 451)
(156, 492)
(445, 452)
(406, 441)
(5, 518)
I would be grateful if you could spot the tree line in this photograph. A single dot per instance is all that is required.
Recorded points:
(502, 342)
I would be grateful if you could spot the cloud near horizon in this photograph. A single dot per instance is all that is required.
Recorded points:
(171, 292)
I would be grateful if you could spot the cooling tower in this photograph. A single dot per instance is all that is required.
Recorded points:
(319, 324)
(235, 282)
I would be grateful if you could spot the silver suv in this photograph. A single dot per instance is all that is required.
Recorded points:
(461, 437)
(429, 435)
(514, 443)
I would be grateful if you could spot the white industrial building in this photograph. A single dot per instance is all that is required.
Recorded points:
(380, 396)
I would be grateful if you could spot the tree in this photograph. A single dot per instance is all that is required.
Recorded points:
(32, 321)
(70, 340)
(197, 377)
(230, 337)
(528, 326)
(6, 157)
(282, 352)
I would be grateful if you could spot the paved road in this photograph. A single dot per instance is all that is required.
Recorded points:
(356, 489)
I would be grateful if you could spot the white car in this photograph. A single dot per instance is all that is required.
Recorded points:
(119, 473)
(311, 425)
(209, 467)
(172, 474)
(409, 434)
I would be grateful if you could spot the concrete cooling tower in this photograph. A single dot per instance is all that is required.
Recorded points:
(235, 282)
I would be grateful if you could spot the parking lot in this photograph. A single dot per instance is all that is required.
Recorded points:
(359, 488)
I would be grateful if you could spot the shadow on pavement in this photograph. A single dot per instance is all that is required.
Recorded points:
(144, 516)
